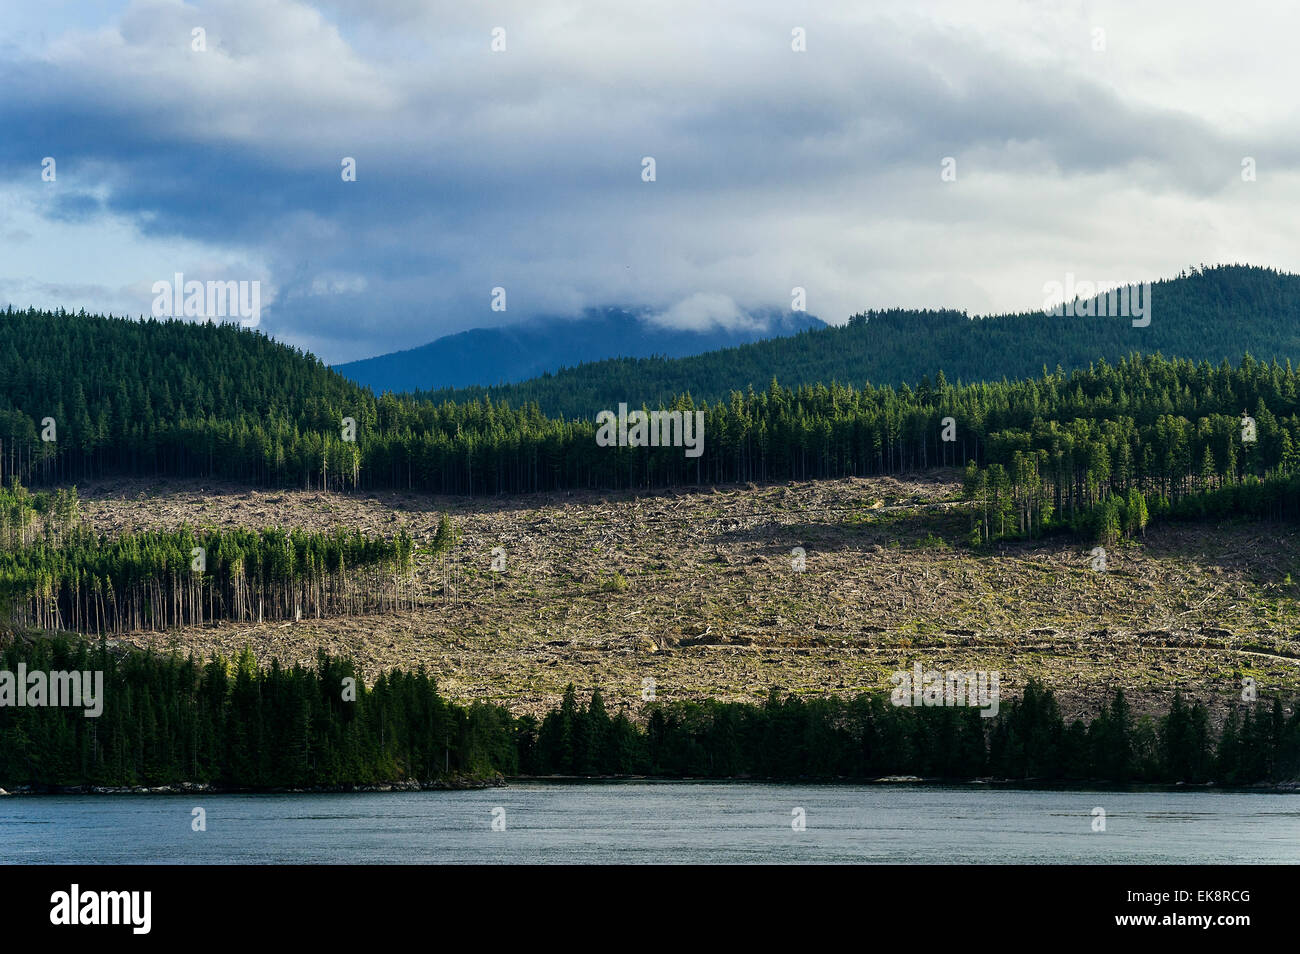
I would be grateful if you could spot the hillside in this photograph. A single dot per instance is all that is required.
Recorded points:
(699, 592)
(1209, 314)
(624, 564)
(150, 396)
(186, 400)
(489, 356)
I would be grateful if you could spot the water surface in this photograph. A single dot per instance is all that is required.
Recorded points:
(668, 822)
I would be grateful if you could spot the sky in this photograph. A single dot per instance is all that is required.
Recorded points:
(921, 153)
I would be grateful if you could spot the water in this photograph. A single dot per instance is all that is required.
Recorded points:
(659, 822)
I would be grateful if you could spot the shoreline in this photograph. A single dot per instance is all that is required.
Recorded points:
(459, 783)
(466, 783)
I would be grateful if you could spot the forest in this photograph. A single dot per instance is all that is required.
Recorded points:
(1167, 427)
(1203, 314)
(238, 724)
(1101, 450)
(56, 574)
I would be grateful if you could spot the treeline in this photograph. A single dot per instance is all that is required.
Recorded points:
(167, 720)
(1204, 314)
(158, 579)
(998, 514)
(233, 723)
(868, 737)
(26, 516)
(1148, 439)
(149, 396)
(204, 400)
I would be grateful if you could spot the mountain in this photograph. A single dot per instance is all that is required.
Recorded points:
(489, 356)
(84, 396)
(1208, 314)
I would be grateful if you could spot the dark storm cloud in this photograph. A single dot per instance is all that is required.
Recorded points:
(523, 168)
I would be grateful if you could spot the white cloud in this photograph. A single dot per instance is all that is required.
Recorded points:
(775, 169)
(705, 312)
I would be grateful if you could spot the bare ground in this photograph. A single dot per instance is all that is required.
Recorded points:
(698, 591)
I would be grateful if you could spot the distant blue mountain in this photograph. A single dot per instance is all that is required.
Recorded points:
(512, 353)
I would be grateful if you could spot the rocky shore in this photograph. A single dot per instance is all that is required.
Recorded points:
(201, 788)
(499, 781)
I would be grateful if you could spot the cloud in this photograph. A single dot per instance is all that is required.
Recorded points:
(705, 312)
(522, 168)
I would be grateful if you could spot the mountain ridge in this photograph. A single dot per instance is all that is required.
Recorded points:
(517, 352)
(1207, 313)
